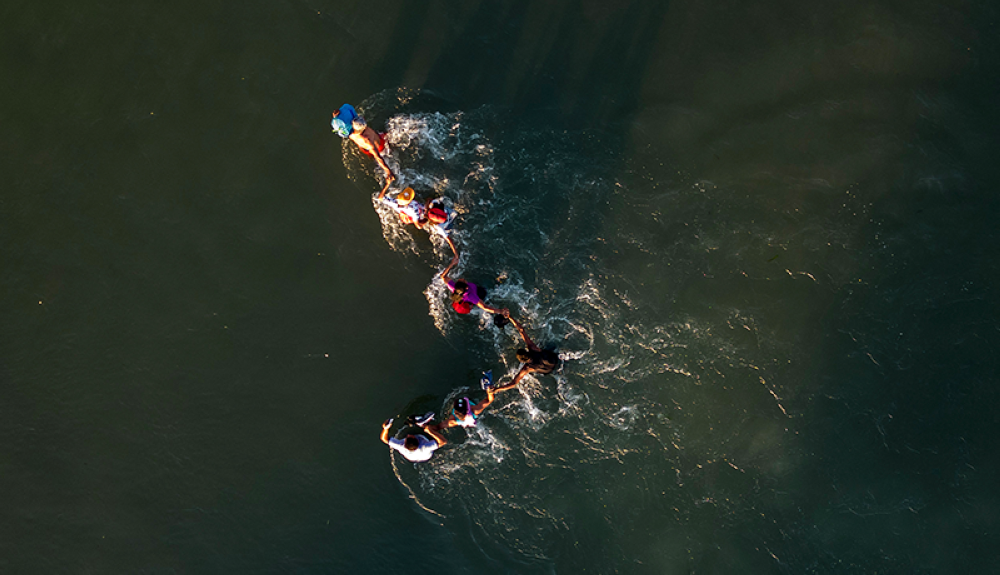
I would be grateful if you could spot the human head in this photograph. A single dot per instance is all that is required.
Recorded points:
(411, 442)
(461, 286)
(523, 355)
(462, 406)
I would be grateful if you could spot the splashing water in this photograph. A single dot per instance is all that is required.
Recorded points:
(655, 388)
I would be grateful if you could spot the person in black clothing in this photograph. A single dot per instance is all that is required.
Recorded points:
(533, 359)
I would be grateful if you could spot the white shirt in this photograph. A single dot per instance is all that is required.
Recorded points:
(421, 453)
(412, 210)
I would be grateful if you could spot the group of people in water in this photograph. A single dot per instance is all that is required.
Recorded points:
(465, 297)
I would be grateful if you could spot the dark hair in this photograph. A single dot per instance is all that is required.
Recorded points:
(411, 442)
(462, 405)
(523, 355)
(461, 286)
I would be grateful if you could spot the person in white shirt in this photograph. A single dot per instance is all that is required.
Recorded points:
(414, 447)
(430, 216)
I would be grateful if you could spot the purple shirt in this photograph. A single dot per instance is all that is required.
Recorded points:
(471, 295)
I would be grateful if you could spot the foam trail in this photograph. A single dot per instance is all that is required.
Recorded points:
(630, 372)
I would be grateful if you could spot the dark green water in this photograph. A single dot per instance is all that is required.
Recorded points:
(761, 234)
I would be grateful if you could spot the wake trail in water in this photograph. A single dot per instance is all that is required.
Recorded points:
(648, 397)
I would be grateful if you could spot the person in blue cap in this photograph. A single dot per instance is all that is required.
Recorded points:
(347, 123)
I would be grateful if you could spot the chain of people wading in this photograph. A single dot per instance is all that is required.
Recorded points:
(465, 296)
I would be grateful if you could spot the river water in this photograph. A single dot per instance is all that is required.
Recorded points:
(759, 235)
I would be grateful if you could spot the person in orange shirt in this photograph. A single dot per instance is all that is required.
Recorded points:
(347, 123)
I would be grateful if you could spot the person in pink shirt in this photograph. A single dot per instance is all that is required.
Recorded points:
(466, 295)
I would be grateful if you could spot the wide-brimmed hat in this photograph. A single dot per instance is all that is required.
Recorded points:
(405, 197)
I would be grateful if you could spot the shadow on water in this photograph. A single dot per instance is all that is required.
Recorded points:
(562, 78)
(579, 61)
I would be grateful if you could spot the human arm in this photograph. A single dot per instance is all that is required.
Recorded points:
(436, 435)
(502, 311)
(482, 405)
(385, 431)
(454, 261)
(525, 370)
(524, 335)
(385, 189)
(389, 176)
(448, 422)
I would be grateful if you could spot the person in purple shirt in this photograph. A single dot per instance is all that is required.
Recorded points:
(466, 295)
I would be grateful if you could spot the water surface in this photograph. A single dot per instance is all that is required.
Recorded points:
(761, 237)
